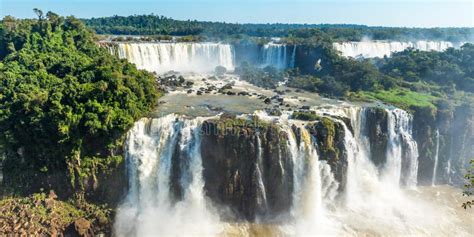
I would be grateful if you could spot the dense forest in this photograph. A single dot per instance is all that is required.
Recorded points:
(446, 72)
(160, 25)
(65, 103)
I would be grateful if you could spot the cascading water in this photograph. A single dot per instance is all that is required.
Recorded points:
(435, 166)
(314, 183)
(163, 57)
(262, 196)
(293, 57)
(371, 49)
(276, 55)
(402, 150)
(373, 200)
(150, 147)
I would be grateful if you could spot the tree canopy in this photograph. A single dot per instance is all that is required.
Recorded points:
(160, 25)
(63, 98)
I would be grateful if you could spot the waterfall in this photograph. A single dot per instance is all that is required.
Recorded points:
(435, 166)
(151, 147)
(371, 49)
(167, 197)
(293, 57)
(276, 55)
(314, 183)
(402, 150)
(185, 57)
(262, 196)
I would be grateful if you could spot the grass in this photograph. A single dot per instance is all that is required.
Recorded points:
(401, 98)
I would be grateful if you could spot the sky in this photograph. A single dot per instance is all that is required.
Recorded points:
(414, 13)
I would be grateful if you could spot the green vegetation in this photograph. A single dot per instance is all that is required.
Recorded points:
(469, 185)
(452, 68)
(65, 102)
(326, 139)
(160, 25)
(399, 97)
(306, 116)
(409, 78)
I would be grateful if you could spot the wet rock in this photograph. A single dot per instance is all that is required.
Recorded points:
(377, 131)
(230, 155)
(199, 93)
(82, 227)
(267, 101)
(243, 93)
(274, 112)
(230, 93)
(227, 86)
(329, 136)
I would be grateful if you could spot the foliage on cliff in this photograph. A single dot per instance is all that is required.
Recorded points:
(63, 99)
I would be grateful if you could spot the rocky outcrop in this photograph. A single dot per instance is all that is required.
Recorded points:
(329, 136)
(455, 125)
(231, 156)
(377, 132)
(424, 129)
(45, 215)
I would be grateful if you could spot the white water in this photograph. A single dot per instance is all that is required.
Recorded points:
(148, 209)
(315, 186)
(399, 134)
(276, 55)
(184, 57)
(435, 166)
(261, 192)
(371, 49)
(375, 201)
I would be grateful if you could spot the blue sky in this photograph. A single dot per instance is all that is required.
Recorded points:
(414, 13)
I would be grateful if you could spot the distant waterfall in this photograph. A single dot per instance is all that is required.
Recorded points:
(149, 209)
(276, 55)
(371, 49)
(435, 166)
(185, 57)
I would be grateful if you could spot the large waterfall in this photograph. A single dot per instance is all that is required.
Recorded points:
(152, 207)
(163, 57)
(371, 49)
(198, 57)
(169, 195)
(278, 55)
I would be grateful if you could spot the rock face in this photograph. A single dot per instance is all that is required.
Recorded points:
(44, 215)
(330, 140)
(377, 132)
(235, 163)
(424, 124)
(455, 126)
